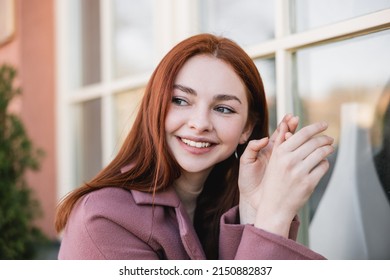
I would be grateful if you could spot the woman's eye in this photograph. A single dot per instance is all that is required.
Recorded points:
(224, 110)
(179, 101)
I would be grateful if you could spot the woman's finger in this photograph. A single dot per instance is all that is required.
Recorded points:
(286, 119)
(288, 135)
(292, 124)
(311, 145)
(280, 139)
(319, 171)
(312, 161)
(252, 150)
(303, 135)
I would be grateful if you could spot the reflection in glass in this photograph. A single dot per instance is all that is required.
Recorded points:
(87, 137)
(266, 68)
(382, 150)
(85, 43)
(132, 37)
(308, 14)
(352, 218)
(329, 76)
(246, 21)
(126, 109)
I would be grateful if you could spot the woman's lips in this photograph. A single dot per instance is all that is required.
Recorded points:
(196, 147)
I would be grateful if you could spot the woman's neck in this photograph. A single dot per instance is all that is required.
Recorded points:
(188, 187)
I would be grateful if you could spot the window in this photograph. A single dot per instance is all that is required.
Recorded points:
(87, 137)
(332, 75)
(126, 108)
(246, 21)
(132, 43)
(106, 54)
(266, 69)
(309, 14)
(84, 52)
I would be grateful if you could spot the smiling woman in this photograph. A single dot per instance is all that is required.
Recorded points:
(197, 176)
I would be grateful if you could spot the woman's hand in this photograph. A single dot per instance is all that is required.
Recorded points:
(261, 153)
(252, 167)
(297, 163)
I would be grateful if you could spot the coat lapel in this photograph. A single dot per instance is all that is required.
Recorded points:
(169, 198)
(188, 235)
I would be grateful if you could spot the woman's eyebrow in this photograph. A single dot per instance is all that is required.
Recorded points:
(185, 89)
(226, 97)
(219, 97)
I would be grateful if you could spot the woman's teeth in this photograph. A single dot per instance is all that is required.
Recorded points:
(196, 144)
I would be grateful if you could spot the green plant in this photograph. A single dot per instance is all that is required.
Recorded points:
(18, 209)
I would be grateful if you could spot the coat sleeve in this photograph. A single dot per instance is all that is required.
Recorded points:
(93, 233)
(251, 243)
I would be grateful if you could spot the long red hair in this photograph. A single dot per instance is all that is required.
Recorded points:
(152, 166)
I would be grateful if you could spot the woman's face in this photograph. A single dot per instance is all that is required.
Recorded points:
(208, 114)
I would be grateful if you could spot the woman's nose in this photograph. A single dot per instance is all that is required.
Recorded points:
(200, 121)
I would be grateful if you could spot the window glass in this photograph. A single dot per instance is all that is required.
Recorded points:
(246, 21)
(355, 71)
(84, 43)
(126, 108)
(308, 14)
(381, 138)
(266, 68)
(132, 37)
(87, 139)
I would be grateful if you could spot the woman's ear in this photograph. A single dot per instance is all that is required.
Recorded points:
(246, 133)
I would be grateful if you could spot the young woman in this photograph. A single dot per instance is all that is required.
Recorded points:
(197, 177)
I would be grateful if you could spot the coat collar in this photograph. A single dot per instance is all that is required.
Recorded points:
(169, 198)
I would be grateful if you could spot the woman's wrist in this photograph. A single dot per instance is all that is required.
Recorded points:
(274, 223)
(247, 213)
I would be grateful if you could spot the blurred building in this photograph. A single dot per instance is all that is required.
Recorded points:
(83, 66)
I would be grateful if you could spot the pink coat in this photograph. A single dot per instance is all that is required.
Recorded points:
(114, 223)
